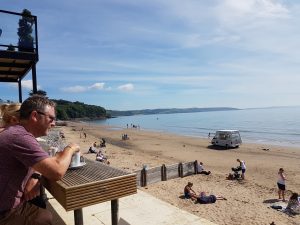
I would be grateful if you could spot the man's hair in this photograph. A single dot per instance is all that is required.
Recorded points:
(34, 103)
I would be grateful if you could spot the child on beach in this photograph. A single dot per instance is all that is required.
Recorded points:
(281, 184)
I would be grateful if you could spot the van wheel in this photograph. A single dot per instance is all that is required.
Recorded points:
(226, 146)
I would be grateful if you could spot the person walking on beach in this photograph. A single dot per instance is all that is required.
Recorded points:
(281, 184)
(243, 166)
(23, 161)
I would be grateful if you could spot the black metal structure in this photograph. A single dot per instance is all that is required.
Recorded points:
(14, 65)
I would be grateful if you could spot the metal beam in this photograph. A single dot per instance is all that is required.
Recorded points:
(8, 79)
(18, 55)
(14, 73)
(16, 65)
(20, 90)
(34, 82)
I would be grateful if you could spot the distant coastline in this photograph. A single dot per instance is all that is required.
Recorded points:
(116, 113)
(276, 126)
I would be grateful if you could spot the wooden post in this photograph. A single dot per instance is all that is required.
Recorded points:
(163, 172)
(143, 177)
(78, 218)
(196, 167)
(114, 211)
(180, 170)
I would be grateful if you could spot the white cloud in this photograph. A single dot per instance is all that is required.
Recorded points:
(80, 89)
(126, 87)
(232, 11)
(26, 84)
(97, 86)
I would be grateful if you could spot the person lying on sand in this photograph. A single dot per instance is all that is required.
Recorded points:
(189, 192)
(207, 199)
(293, 205)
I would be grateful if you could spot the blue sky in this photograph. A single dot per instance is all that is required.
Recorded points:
(138, 54)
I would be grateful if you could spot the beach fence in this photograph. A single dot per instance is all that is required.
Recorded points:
(163, 173)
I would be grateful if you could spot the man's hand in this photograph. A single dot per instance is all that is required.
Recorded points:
(32, 189)
(74, 147)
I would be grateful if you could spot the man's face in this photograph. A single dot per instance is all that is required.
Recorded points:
(46, 120)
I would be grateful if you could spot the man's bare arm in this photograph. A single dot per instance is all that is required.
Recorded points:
(54, 168)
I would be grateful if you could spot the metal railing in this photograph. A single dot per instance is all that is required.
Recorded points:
(18, 32)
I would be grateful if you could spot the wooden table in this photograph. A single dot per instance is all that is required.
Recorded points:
(92, 184)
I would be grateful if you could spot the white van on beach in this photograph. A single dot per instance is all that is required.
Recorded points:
(227, 138)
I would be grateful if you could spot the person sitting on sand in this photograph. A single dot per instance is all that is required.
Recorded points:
(101, 157)
(243, 166)
(200, 169)
(92, 150)
(189, 192)
(207, 199)
(103, 143)
(95, 144)
(293, 205)
(281, 184)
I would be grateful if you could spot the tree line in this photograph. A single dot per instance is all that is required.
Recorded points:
(66, 110)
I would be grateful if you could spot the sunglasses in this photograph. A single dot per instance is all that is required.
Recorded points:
(52, 118)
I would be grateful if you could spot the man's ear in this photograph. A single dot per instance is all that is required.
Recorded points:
(34, 116)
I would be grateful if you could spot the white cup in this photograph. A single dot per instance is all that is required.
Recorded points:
(52, 151)
(75, 161)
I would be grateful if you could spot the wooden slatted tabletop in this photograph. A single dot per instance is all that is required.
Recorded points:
(91, 184)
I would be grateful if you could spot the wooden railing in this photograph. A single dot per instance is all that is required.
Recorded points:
(162, 173)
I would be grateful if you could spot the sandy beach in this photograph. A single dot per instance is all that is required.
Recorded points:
(248, 201)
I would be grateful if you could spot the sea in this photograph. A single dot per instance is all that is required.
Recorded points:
(276, 125)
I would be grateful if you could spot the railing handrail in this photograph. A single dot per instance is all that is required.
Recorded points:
(15, 46)
(14, 13)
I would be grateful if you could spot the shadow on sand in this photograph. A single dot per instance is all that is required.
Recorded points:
(272, 200)
(181, 197)
(220, 148)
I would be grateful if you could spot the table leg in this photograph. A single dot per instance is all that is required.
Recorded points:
(78, 217)
(114, 211)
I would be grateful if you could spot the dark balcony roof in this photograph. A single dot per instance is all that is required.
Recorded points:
(15, 65)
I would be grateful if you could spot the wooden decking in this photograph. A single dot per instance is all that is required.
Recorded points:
(15, 65)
